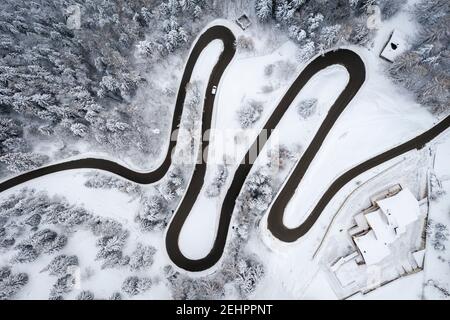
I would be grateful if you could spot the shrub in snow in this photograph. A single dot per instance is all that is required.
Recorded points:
(11, 284)
(63, 285)
(213, 190)
(306, 108)
(279, 156)
(134, 285)
(142, 257)
(85, 295)
(250, 113)
(285, 70)
(267, 88)
(436, 188)
(440, 236)
(244, 43)
(153, 213)
(60, 265)
(268, 69)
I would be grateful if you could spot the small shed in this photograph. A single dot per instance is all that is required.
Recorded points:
(243, 22)
(395, 46)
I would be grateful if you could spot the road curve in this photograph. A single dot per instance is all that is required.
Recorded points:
(354, 65)
(276, 212)
(211, 34)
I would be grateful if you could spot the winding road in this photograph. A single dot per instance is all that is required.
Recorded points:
(354, 65)
(347, 58)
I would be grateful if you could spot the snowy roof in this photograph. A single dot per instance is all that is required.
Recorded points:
(371, 249)
(400, 209)
(379, 224)
(394, 47)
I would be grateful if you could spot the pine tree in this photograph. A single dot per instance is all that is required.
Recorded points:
(263, 9)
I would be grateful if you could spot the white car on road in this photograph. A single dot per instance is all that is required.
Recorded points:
(214, 90)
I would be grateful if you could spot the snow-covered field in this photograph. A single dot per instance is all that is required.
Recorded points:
(381, 115)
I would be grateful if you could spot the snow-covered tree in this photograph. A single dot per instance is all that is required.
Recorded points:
(214, 188)
(244, 43)
(153, 213)
(249, 272)
(23, 161)
(306, 51)
(250, 113)
(279, 156)
(423, 69)
(134, 285)
(329, 36)
(61, 264)
(296, 33)
(62, 286)
(172, 187)
(306, 108)
(11, 284)
(264, 9)
(142, 257)
(284, 11)
(85, 295)
(258, 191)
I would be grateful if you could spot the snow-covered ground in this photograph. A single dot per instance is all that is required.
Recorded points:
(437, 257)
(379, 117)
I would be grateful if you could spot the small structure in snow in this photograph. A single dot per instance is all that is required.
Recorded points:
(243, 22)
(395, 46)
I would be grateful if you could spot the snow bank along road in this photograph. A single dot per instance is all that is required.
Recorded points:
(350, 60)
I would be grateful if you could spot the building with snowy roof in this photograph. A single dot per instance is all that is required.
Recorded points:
(382, 224)
(395, 46)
